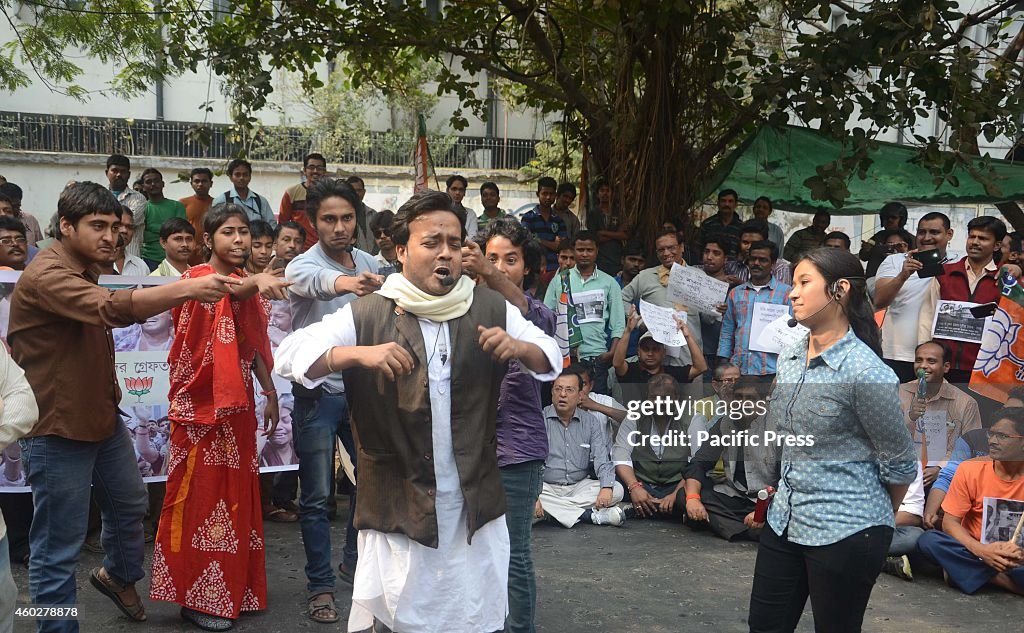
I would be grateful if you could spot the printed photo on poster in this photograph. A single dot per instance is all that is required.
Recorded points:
(589, 306)
(953, 320)
(999, 520)
(141, 368)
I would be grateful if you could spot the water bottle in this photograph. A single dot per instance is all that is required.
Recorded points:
(764, 499)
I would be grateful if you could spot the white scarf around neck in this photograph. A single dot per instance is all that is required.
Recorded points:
(422, 304)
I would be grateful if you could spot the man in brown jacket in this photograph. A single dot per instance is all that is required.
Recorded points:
(433, 547)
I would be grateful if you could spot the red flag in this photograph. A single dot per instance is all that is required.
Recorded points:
(1000, 364)
(421, 159)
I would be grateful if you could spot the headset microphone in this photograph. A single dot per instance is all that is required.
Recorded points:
(834, 293)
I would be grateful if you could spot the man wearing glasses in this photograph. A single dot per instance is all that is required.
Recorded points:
(979, 543)
(293, 203)
(387, 254)
(13, 244)
(896, 242)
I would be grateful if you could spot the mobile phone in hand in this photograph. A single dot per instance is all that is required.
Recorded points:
(932, 261)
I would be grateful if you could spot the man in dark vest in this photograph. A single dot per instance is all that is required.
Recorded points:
(651, 454)
(434, 546)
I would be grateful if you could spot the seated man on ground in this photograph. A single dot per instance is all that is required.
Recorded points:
(577, 442)
(652, 469)
(609, 412)
(981, 511)
(970, 445)
(723, 382)
(726, 500)
(946, 410)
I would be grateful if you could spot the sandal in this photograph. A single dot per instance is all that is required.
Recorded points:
(322, 610)
(280, 515)
(205, 621)
(111, 588)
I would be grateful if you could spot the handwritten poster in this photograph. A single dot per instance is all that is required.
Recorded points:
(693, 288)
(933, 426)
(763, 315)
(777, 335)
(661, 324)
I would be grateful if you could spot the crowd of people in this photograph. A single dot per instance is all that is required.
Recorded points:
(424, 340)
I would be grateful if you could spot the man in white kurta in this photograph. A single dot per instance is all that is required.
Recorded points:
(403, 584)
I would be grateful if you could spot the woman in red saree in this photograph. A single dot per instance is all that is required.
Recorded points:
(209, 554)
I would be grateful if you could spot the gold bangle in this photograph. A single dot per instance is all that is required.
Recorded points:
(327, 357)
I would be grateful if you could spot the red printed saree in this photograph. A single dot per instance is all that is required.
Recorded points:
(209, 552)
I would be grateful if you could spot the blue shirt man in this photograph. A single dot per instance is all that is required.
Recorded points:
(734, 342)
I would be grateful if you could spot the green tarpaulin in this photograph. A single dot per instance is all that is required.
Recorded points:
(776, 162)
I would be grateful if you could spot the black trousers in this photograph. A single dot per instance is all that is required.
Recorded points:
(838, 578)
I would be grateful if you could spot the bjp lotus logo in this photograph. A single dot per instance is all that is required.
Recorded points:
(139, 387)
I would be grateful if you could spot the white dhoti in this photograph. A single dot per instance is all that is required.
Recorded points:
(566, 504)
(411, 588)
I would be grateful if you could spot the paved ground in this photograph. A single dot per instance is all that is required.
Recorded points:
(648, 577)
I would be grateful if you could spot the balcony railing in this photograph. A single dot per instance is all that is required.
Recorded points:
(215, 142)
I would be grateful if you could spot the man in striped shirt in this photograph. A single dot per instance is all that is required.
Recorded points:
(762, 287)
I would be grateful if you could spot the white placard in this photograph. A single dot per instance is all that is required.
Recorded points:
(589, 306)
(933, 426)
(696, 289)
(953, 321)
(661, 324)
(762, 315)
(999, 520)
(777, 335)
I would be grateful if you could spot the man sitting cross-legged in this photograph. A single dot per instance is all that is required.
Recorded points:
(577, 440)
(726, 500)
(653, 472)
(973, 553)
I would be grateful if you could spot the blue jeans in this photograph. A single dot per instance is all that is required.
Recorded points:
(966, 572)
(522, 487)
(8, 590)
(904, 540)
(61, 472)
(316, 422)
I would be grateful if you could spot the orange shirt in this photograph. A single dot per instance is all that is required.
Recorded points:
(293, 209)
(195, 212)
(974, 480)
